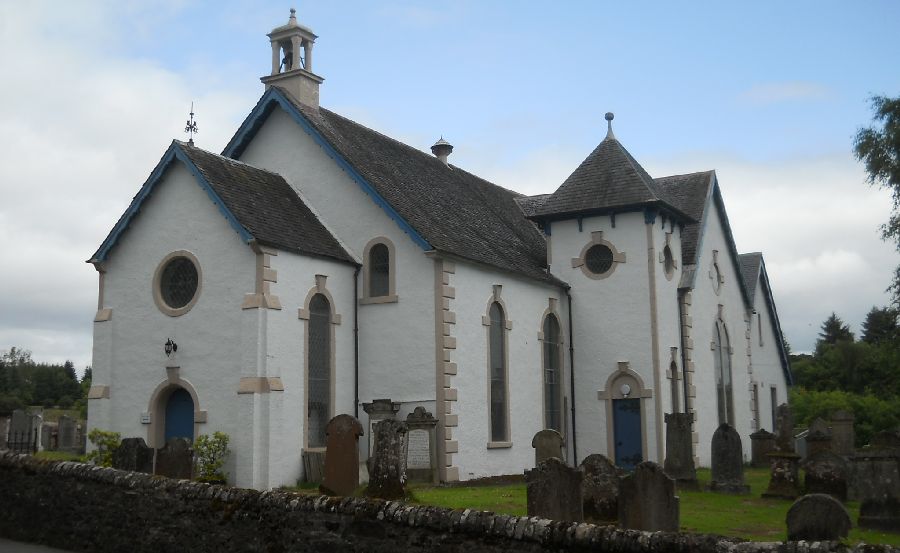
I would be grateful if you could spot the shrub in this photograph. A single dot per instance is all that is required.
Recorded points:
(209, 455)
(106, 443)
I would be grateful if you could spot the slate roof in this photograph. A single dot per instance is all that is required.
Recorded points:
(609, 179)
(454, 211)
(750, 263)
(689, 192)
(529, 204)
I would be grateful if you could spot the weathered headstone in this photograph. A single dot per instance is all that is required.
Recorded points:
(679, 463)
(553, 491)
(49, 436)
(421, 456)
(842, 433)
(133, 454)
(387, 468)
(762, 442)
(4, 431)
(784, 428)
(826, 472)
(876, 480)
(377, 411)
(647, 500)
(784, 477)
(817, 517)
(818, 437)
(547, 443)
(341, 456)
(600, 488)
(66, 434)
(175, 459)
(727, 461)
(24, 432)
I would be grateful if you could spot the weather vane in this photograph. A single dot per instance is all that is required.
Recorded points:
(191, 127)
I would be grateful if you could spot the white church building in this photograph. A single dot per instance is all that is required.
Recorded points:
(316, 265)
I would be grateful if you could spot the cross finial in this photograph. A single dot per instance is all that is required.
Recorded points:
(191, 127)
(609, 118)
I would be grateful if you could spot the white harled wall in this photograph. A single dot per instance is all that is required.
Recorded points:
(767, 369)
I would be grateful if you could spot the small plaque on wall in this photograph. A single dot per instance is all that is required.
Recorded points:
(145, 418)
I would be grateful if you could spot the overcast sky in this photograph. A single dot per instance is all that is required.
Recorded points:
(769, 94)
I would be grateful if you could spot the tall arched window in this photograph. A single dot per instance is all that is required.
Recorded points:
(319, 378)
(379, 271)
(552, 380)
(722, 366)
(498, 399)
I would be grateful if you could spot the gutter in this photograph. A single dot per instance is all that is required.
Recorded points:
(681, 338)
(572, 382)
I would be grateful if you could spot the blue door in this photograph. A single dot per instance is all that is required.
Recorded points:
(180, 415)
(627, 432)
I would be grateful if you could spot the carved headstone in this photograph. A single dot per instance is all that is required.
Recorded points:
(547, 443)
(679, 462)
(647, 500)
(553, 491)
(727, 461)
(175, 459)
(817, 517)
(876, 481)
(133, 454)
(600, 488)
(826, 472)
(66, 434)
(842, 434)
(377, 411)
(784, 428)
(341, 456)
(784, 478)
(762, 442)
(421, 456)
(387, 468)
(818, 437)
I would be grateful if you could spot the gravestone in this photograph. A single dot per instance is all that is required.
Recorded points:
(818, 437)
(842, 435)
(175, 459)
(4, 431)
(547, 443)
(133, 454)
(727, 461)
(784, 428)
(66, 428)
(647, 500)
(784, 475)
(762, 442)
(24, 432)
(817, 517)
(876, 480)
(679, 463)
(421, 457)
(553, 491)
(826, 472)
(341, 456)
(387, 468)
(600, 488)
(377, 411)
(49, 437)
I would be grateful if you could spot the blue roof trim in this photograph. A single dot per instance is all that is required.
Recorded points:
(174, 152)
(257, 117)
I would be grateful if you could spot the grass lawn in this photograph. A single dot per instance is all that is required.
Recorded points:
(750, 517)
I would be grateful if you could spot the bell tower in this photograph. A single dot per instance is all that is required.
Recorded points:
(292, 49)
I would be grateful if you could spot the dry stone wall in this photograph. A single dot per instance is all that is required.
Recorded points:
(85, 508)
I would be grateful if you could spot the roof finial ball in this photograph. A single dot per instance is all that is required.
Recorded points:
(293, 15)
(609, 117)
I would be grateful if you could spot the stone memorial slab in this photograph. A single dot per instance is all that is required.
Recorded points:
(66, 430)
(341, 456)
(784, 476)
(547, 443)
(24, 432)
(818, 437)
(4, 431)
(553, 491)
(387, 468)
(843, 437)
(175, 459)
(421, 457)
(817, 517)
(828, 473)
(49, 436)
(876, 480)
(762, 442)
(784, 428)
(377, 411)
(679, 463)
(727, 461)
(600, 488)
(647, 500)
(133, 454)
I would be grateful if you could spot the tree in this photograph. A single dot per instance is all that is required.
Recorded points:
(878, 147)
(880, 326)
(834, 330)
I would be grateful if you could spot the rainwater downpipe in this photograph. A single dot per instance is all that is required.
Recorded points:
(684, 383)
(356, 343)
(572, 381)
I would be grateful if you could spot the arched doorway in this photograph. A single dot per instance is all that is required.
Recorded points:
(179, 415)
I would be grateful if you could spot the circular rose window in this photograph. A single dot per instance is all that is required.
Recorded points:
(598, 259)
(177, 283)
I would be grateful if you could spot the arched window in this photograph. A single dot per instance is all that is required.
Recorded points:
(379, 271)
(498, 399)
(552, 380)
(319, 377)
(722, 367)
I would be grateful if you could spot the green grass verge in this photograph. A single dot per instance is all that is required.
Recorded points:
(59, 456)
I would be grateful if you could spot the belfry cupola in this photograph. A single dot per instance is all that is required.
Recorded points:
(292, 49)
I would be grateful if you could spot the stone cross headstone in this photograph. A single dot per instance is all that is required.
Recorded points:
(817, 517)
(784, 428)
(553, 491)
(377, 411)
(876, 480)
(727, 461)
(828, 473)
(842, 434)
(762, 442)
(387, 468)
(133, 454)
(66, 433)
(818, 437)
(679, 463)
(647, 500)
(600, 488)
(175, 459)
(421, 456)
(547, 443)
(341, 456)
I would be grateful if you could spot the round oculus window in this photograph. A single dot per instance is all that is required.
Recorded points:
(178, 282)
(598, 259)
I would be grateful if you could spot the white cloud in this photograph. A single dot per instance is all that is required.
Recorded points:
(774, 93)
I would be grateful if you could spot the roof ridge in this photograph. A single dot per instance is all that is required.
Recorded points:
(225, 158)
(685, 174)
